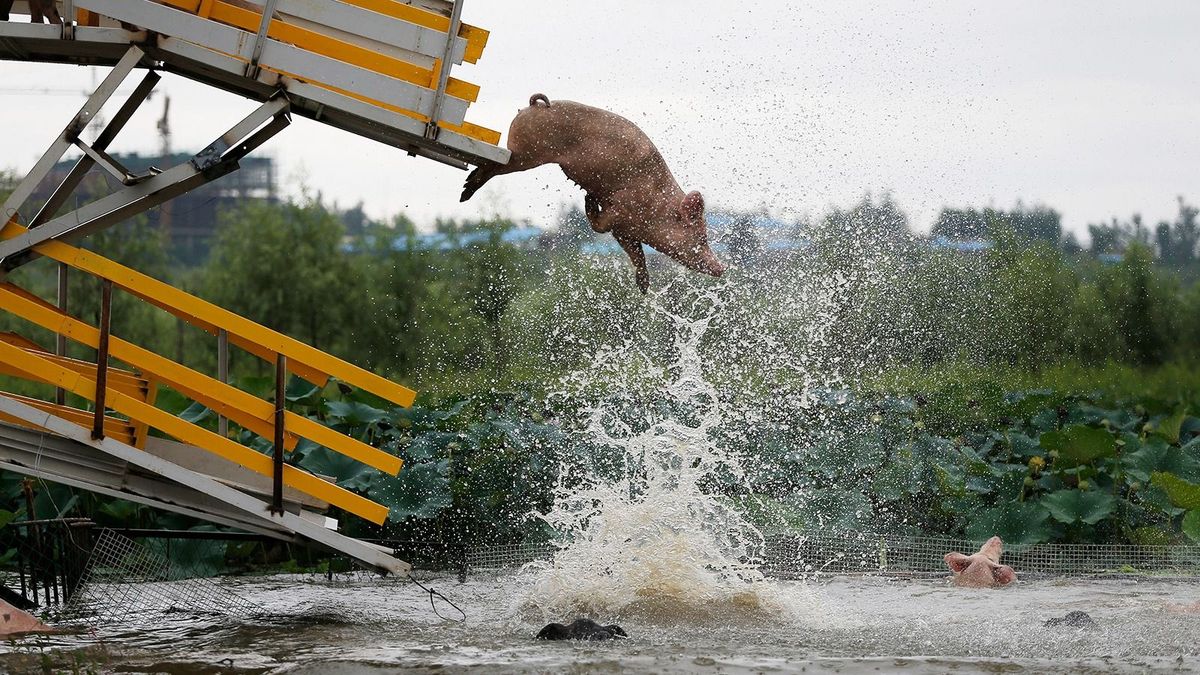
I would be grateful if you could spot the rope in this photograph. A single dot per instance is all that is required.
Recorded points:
(432, 592)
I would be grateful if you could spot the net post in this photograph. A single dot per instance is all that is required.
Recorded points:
(60, 339)
(277, 487)
(106, 287)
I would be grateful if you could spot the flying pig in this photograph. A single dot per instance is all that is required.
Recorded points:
(630, 191)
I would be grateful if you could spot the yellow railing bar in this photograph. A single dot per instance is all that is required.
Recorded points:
(466, 128)
(476, 37)
(194, 310)
(186, 432)
(246, 409)
(117, 428)
(121, 380)
(313, 41)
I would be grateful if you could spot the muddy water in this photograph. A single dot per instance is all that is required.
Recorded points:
(840, 625)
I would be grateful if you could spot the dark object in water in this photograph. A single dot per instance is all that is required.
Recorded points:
(1074, 619)
(581, 629)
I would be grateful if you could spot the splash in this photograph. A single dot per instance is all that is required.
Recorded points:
(646, 532)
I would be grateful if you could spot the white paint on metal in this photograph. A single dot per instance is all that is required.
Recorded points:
(366, 28)
(256, 508)
(277, 56)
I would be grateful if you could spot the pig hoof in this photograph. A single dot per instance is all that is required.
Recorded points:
(581, 629)
(1074, 619)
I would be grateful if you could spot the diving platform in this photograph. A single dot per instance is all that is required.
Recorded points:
(380, 69)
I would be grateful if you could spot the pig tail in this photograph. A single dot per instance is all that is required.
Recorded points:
(538, 97)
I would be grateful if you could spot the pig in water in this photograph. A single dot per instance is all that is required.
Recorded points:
(14, 621)
(982, 569)
(630, 190)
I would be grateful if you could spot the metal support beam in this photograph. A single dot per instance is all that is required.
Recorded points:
(86, 114)
(251, 506)
(223, 375)
(260, 39)
(106, 287)
(218, 159)
(209, 156)
(60, 339)
(278, 451)
(432, 130)
(85, 163)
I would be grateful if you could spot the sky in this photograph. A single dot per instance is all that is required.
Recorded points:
(1092, 108)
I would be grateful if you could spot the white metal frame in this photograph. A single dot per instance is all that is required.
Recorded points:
(251, 508)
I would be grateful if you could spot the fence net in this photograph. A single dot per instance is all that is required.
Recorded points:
(792, 556)
(124, 577)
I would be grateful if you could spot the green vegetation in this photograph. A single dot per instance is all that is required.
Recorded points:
(1031, 389)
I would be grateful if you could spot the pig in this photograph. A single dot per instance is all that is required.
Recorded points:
(39, 10)
(630, 192)
(982, 569)
(14, 621)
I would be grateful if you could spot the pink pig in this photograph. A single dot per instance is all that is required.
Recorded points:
(982, 569)
(630, 190)
(17, 622)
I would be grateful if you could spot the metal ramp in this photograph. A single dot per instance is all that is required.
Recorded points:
(206, 474)
(376, 68)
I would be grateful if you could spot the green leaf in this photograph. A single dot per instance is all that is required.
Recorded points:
(1191, 525)
(6, 517)
(1150, 536)
(1183, 494)
(300, 390)
(349, 473)
(1157, 456)
(195, 413)
(420, 490)
(1168, 427)
(1079, 444)
(1017, 523)
(1074, 506)
(354, 413)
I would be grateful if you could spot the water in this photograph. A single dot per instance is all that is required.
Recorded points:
(649, 536)
(653, 542)
(851, 625)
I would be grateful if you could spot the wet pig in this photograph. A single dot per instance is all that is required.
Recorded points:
(981, 569)
(630, 192)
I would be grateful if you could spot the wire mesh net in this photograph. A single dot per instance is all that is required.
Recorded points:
(793, 555)
(124, 577)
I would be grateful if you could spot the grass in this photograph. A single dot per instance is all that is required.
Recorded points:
(1172, 383)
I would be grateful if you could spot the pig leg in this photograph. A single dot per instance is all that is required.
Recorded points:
(638, 257)
(601, 221)
(518, 161)
(39, 10)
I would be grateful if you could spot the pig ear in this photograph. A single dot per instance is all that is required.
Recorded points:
(1003, 574)
(692, 206)
(957, 562)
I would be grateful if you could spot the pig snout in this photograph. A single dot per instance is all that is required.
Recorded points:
(712, 266)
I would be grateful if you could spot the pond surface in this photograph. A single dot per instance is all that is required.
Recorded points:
(373, 626)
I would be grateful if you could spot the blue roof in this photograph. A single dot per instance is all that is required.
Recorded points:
(723, 221)
(966, 245)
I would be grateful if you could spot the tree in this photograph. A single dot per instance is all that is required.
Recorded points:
(283, 265)
(745, 246)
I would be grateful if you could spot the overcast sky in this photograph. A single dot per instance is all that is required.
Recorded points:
(1092, 108)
